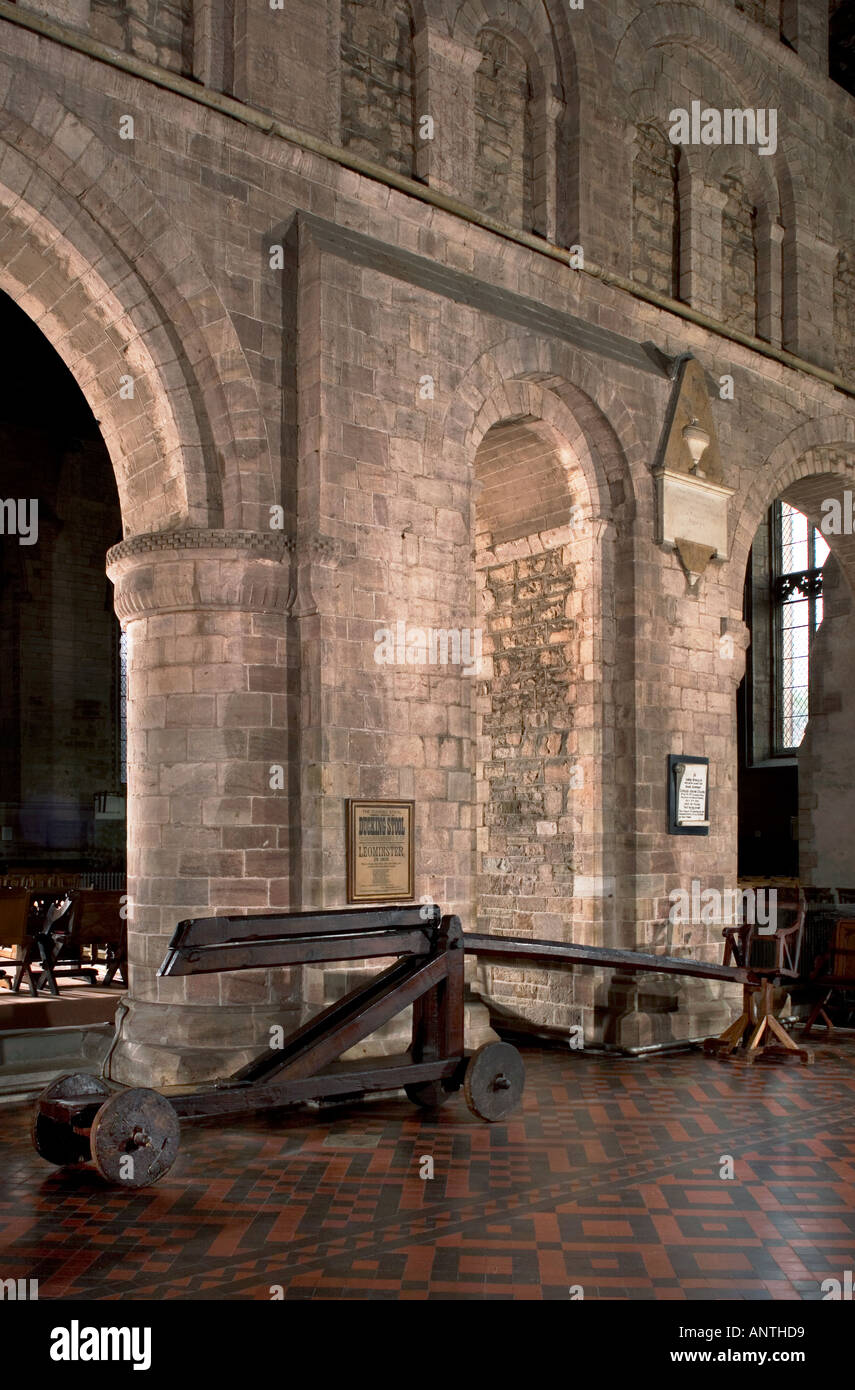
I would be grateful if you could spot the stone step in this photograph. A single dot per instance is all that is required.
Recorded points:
(31, 1057)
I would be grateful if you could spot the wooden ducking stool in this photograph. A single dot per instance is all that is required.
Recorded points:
(133, 1135)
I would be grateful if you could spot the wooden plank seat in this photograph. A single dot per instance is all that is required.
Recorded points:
(772, 959)
(833, 975)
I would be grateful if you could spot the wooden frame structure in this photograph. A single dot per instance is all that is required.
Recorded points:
(133, 1135)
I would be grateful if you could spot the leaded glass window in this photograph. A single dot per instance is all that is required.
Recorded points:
(798, 554)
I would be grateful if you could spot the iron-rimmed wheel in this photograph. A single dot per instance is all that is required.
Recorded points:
(494, 1081)
(430, 1095)
(135, 1138)
(55, 1140)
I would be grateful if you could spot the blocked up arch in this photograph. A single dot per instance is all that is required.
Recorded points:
(575, 395)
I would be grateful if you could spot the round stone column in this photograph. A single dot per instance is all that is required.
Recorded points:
(205, 614)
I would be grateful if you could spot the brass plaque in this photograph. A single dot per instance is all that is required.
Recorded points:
(380, 858)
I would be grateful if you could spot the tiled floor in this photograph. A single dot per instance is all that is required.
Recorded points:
(609, 1178)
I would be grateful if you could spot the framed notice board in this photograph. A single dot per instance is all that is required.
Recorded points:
(380, 851)
(688, 795)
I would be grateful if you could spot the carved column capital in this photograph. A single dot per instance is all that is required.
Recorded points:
(185, 571)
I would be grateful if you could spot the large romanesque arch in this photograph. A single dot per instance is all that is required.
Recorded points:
(111, 280)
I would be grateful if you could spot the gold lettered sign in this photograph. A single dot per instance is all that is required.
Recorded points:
(380, 862)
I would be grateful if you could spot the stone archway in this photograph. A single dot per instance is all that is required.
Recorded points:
(814, 471)
(537, 766)
(545, 475)
(204, 608)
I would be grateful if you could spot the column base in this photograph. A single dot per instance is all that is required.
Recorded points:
(172, 1047)
(167, 1046)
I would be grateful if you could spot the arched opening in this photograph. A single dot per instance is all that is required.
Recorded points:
(535, 718)
(783, 609)
(378, 82)
(796, 704)
(739, 301)
(62, 690)
(656, 212)
(504, 184)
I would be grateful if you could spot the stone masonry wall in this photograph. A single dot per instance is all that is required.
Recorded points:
(377, 67)
(844, 311)
(503, 176)
(739, 258)
(159, 250)
(765, 12)
(158, 31)
(655, 214)
(526, 768)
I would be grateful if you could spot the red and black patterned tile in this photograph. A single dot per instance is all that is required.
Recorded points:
(608, 1180)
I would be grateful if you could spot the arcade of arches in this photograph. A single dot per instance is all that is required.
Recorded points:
(278, 384)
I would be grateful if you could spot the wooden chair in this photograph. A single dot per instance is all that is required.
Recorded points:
(833, 973)
(773, 958)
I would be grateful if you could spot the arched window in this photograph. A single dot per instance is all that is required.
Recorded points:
(798, 553)
(503, 184)
(377, 82)
(783, 608)
(655, 213)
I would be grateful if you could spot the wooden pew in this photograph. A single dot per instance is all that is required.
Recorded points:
(93, 921)
(833, 973)
(19, 930)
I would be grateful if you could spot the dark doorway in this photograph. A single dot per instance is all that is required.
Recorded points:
(61, 679)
